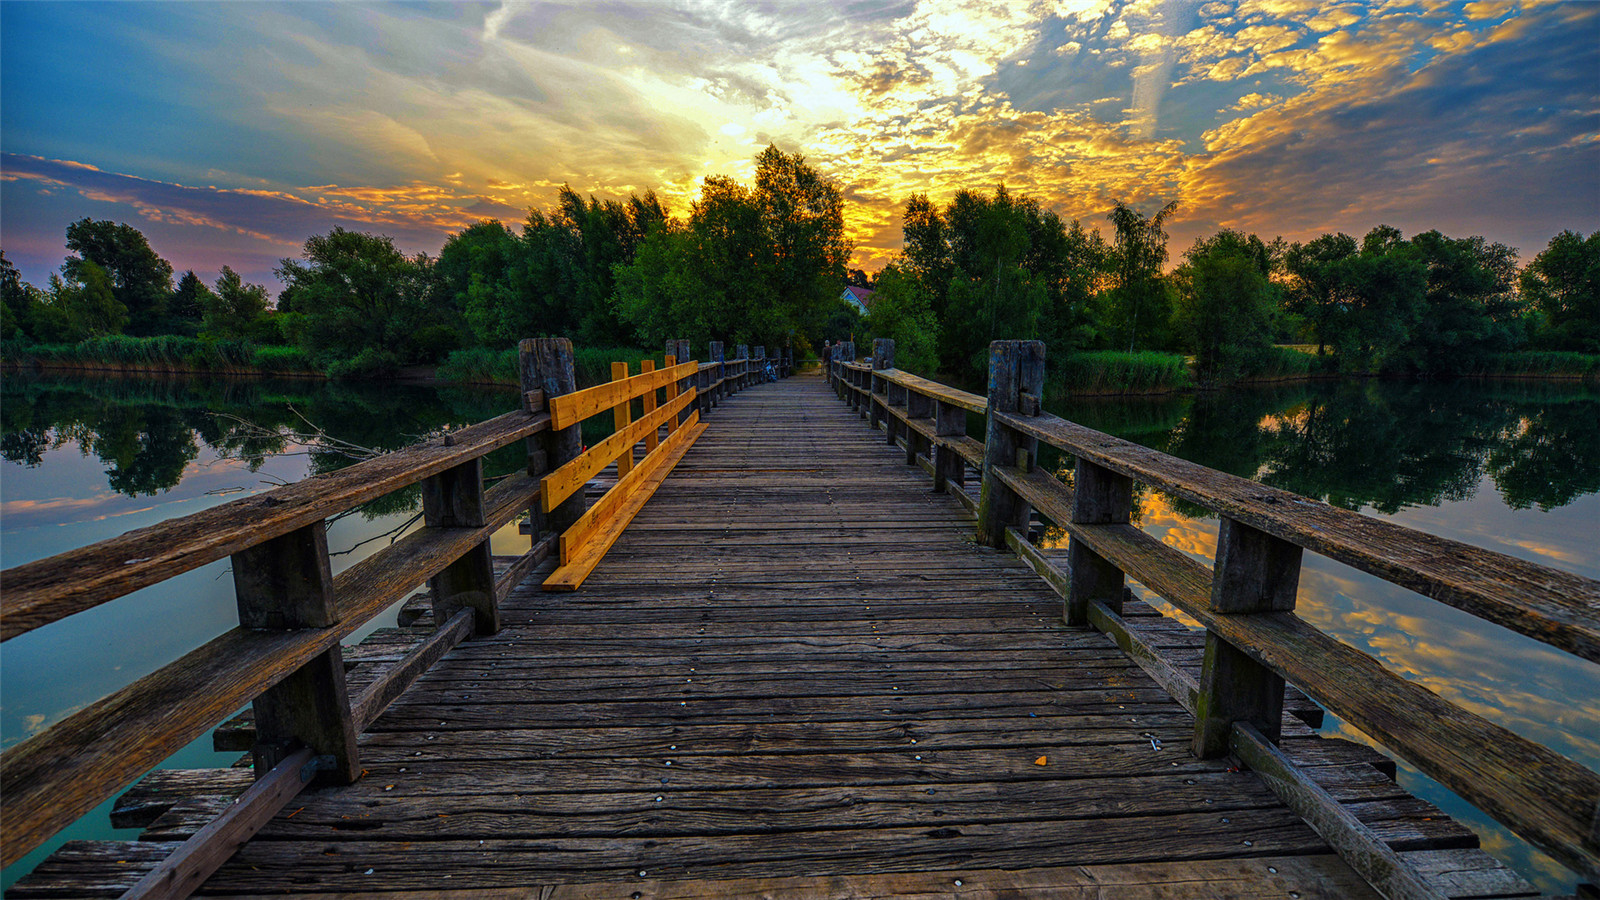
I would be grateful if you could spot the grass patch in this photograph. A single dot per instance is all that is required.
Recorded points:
(1118, 372)
(161, 353)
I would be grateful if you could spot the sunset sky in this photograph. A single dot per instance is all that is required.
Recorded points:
(230, 132)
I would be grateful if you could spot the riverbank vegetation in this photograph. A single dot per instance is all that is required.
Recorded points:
(765, 264)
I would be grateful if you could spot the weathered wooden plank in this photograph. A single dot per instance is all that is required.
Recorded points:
(936, 391)
(46, 590)
(1356, 843)
(177, 876)
(366, 706)
(1559, 608)
(158, 791)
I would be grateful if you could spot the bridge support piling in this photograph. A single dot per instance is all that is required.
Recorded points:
(454, 499)
(1016, 382)
(287, 583)
(1255, 572)
(546, 364)
(882, 358)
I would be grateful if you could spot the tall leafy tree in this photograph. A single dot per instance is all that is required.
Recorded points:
(1563, 284)
(364, 302)
(234, 308)
(1137, 305)
(802, 216)
(1315, 285)
(80, 304)
(1470, 304)
(1225, 301)
(189, 299)
(16, 296)
(140, 280)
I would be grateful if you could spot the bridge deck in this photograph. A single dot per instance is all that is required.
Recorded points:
(795, 663)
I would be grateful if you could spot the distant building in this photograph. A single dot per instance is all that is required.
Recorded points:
(859, 297)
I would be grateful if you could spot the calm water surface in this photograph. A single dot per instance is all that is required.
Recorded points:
(1512, 468)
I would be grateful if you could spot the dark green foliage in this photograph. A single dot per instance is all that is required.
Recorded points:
(757, 266)
(1563, 284)
(364, 302)
(1470, 305)
(139, 280)
(1138, 306)
(901, 310)
(187, 306)
(82, 305)
(16, 299)
(1115, 371)
(234, 308)
(1225, 302)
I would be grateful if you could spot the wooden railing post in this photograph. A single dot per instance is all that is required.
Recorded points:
(546, 364)
(620, 417)
(760, 353)
(721, 371)
(454, 499)
(1099, 497)
(743, 351)
(882, 358)
(918, 406)
(287, 583)
(670, 392)
(1016, 370)
(948, 466)
(1254, 572)
(647, 402)
(827, 363)
(679, 351)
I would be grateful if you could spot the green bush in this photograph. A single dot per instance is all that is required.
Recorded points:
(480, 364)
(1114, 371)
(1278, 362)
(369, 363)
(280, 359)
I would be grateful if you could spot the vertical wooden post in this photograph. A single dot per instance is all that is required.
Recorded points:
(720, 373)
(454, 499)
(621, 415)
(670, 392)
(685, 383)
(744, 365)
(882, 358)
(918, 406)
(760, 354)
(1015, 368)
(1100, 497)
(546, 364)
(1255, 572)
(287, 583)
(949, 467)
(648, 406)
(827, 363)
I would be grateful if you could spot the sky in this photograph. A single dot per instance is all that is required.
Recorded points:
(229, 132)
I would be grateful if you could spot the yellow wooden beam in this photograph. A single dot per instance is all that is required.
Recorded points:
(574, 474)
(570, 409)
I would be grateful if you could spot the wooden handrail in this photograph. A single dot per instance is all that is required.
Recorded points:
(1541, 795)
(1552, 606)
(47, 590)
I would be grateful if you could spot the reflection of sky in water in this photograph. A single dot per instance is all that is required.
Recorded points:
(1539, 692)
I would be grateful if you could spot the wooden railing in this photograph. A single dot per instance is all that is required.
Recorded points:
(1254, 641)
(285, 657)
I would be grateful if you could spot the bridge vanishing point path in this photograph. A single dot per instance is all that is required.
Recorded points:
(795, 674)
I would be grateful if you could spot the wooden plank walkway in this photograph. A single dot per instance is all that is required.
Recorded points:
(795, 675)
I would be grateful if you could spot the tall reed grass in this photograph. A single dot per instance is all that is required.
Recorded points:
(1117, 372)
(1541, 364)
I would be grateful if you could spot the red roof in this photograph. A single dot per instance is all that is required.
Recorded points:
(860, 293)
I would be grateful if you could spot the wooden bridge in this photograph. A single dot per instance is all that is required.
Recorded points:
(824, 660)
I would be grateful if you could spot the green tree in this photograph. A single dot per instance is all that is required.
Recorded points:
(802, 217)
(901, 310)
(365, 304)
(1315, 285)
(78, 306)
(1138, 306)
(189, 299)
(1225, 302)
(1563, 284)
(234, 308)
(140, 280)
(1470, 303)
(483, 272)
(16, 296)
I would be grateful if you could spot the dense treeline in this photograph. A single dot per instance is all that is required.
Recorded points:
(990, 266)
(765, 264)
(758, 264)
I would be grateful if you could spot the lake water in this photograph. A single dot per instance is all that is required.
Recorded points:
(1515, 468)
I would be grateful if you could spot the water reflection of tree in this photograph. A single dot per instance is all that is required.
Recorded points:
(1384, 445)
(148, 431)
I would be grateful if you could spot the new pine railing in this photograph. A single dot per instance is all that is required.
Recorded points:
(285, 657)
(1255, 643)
